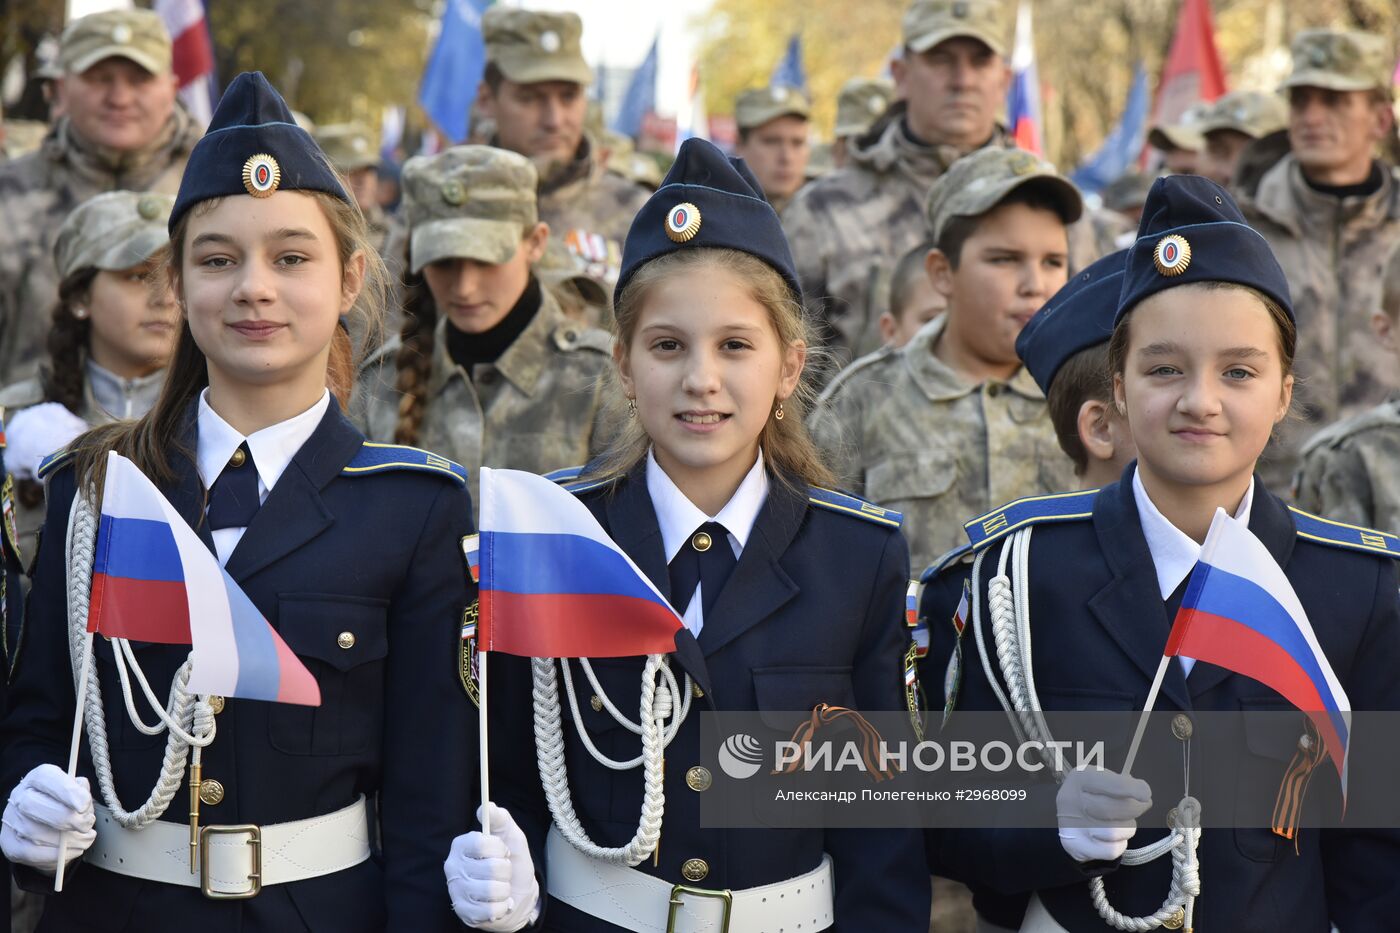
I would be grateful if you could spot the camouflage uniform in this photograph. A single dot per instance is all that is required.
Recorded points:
(1332, 250)
(905, 431)
(38, 191)
(860, 103)
(587, 207)
(757, 106)
(1351, 470)
(351, 147)
(538, 406)
(849, 228)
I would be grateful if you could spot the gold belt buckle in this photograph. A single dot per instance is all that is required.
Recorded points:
(678, 892)
(254, 834)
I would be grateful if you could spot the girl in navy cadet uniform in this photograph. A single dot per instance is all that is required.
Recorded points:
(324, 818)
(1201, 357)
(797, 602)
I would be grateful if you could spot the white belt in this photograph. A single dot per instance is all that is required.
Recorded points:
(234, 861)
(641, 903)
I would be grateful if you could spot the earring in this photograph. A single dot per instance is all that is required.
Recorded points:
(80, 313)
(632, 407)
(778, 412)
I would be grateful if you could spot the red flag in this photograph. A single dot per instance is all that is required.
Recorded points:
(1193, 71)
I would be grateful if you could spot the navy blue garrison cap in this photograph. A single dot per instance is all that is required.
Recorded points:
(1076, 317)
(253, 146)
(1192, 231)
(709, 200)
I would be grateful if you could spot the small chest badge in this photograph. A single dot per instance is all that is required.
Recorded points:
(1172, 255)
(261, 175)
(683, 222)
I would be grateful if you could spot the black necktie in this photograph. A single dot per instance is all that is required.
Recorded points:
(707, 559)
(233, 499)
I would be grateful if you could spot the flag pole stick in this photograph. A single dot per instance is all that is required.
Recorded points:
(81, 708)
(485, 769)
(1146, 712)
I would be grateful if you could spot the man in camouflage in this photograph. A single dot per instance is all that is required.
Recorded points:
(849, 228)
(353, 151)
(121, 130)
(1234, 122)
(917, 429)
(1351, 470)
(773, 125)
(534, 90)
(1181, 143)
(860, 104)
(1331, 212)
(537, 406)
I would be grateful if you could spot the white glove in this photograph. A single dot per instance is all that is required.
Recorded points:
(1098, 813)
(45, 804)
(491, 879)
(34, 433)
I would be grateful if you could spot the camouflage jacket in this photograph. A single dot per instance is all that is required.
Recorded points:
(905, 431)
(1351, 470)
(848, 229)
(537, 408)
(1332, 251)
(590, 209)
(37, 192)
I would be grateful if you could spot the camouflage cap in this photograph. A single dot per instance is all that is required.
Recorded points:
(1185, 133)
(757, 106)
(349, 146)
(114, 230)
(929, 22)
(860, 103)
(533, 45)
(468, 202)
(138, 35)
(1127, 192)
(1253, 113)
(980, 180)
(1340, 60)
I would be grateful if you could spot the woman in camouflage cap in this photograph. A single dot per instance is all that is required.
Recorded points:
(113, 331)
(488, 369)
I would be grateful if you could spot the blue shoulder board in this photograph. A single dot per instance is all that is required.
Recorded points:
(850, 505)
(1032, 510)
(1339, 534)
(566, 475)
(944, 562)
(381, 458)
(53, 462)
(568, 478)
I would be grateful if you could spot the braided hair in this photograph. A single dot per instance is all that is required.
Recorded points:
(414, 363)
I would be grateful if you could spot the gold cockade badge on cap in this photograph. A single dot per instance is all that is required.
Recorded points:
(683, 222)
(1172, 255)
(261, 175)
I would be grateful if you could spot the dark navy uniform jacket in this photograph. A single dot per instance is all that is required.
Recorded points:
(1098, 630)
(811, 613)
(370, 550)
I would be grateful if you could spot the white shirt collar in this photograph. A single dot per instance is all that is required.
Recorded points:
(1173, 551)
(679, 517)
(273, 447)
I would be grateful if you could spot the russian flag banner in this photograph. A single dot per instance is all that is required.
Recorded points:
(1241, 613)
(154, 580)
(554, 585)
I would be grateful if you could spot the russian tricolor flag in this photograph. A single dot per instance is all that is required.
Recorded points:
(1240, 612)
(154, 580)
(554, 585)
(192, 53)
(1023, 98)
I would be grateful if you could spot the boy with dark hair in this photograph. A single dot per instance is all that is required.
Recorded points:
(1065, 348)
(913, 299)
(950, 424)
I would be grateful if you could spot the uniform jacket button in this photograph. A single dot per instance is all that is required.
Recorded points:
(345, 640)
(211, 792)
(698, 779)
(695, 869)
(216, 704)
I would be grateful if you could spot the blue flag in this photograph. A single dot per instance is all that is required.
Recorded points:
(640, 98)
(1121, 147)
(455, 68)
(790, 73)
